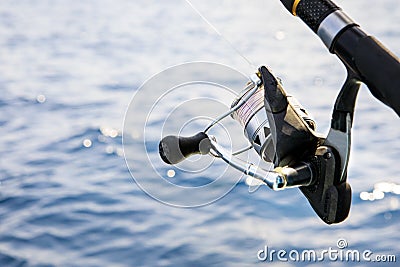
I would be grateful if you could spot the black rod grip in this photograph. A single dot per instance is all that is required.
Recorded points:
(288, 4)
(380, 70)
(312, 12)
(174, 149)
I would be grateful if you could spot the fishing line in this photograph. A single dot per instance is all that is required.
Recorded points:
(220, 34)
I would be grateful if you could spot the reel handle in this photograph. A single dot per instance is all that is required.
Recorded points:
(174, 149)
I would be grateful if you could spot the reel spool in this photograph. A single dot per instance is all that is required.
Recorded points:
(252, 116)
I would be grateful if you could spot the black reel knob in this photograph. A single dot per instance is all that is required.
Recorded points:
(174, 149)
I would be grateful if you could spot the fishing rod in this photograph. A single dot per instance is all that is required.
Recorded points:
(366, 59)
(281, 131)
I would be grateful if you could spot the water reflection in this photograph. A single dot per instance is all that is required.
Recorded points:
(109, 132)
(41, 99)
(87, 143)
(380, 191)
(108, 138)
(171, 173)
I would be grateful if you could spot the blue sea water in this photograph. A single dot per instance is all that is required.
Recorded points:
(68, 70)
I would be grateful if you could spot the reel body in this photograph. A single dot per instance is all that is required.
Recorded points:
(281, 132)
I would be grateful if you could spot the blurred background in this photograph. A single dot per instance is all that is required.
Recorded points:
(68, 70)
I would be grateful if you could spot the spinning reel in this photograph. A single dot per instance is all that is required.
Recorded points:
(281, 132)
